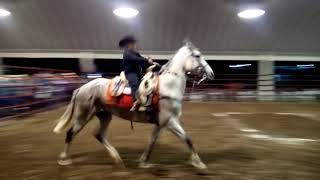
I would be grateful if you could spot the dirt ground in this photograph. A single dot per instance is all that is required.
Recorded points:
(235, 140)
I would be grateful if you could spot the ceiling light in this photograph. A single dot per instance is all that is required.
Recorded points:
(239, 65)
(251, 13)
(4, 12)
(126, 12)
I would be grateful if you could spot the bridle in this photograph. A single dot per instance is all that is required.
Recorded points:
(200, 66)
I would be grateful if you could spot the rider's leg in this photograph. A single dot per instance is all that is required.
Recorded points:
(134, 82)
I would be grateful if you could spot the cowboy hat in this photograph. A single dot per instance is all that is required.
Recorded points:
(126, 40)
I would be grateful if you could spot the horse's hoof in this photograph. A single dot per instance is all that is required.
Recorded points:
(64, 162)
(196, 162)
(198, 165)
(120, 164)
(144, 165)
(118, 161)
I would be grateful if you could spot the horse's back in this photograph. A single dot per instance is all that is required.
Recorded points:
(93, 89)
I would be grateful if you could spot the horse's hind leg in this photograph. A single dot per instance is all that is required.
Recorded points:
(105, 119)
(175, 127)
(81, 119)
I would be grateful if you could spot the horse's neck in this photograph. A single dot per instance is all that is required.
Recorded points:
(176, 64)
(178, 61)
(173, 79)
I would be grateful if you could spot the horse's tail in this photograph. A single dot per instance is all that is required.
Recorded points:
(67, 116)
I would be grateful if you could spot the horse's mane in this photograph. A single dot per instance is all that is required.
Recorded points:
(164, 67)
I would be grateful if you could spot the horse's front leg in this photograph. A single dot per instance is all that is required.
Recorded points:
(175, 127)
(146, 155)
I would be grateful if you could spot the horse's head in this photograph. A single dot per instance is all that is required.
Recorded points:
(195, 64)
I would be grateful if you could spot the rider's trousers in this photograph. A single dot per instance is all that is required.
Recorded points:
(134, 82)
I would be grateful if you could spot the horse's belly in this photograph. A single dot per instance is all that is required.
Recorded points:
(141, 117)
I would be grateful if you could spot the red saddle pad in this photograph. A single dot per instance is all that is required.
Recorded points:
(125, 101)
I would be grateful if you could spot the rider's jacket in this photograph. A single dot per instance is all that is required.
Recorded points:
(133, 62)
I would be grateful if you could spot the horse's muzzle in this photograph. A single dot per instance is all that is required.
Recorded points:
(210, 75)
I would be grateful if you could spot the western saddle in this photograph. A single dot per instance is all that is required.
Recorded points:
(148, 88)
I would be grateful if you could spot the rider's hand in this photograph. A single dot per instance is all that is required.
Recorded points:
(150, 61)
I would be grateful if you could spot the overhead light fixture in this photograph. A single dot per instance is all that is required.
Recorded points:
(4, 13)
(306, 66)
(239, 65)
(251, 13)
(126, 12)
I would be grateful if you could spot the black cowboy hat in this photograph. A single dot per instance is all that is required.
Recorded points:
(126, 40)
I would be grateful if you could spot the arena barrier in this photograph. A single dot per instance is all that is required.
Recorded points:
(22, 95)
(253, 87)
(250, 87)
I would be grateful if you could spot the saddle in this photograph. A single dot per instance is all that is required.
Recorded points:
(119, 93)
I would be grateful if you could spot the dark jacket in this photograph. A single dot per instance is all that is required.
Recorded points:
(133, 62)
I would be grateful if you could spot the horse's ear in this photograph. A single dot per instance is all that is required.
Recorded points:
(188, 43)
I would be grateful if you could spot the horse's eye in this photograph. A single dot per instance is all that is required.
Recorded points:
(196, 55)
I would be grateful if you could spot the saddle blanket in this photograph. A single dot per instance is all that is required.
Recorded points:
(125, 101)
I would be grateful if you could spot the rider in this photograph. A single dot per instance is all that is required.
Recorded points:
(133, 64)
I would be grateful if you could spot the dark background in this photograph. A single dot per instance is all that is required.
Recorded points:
(287, 74)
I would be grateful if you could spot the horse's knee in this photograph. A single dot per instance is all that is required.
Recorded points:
(100, 114)
(99, 137)
(103, 115)
(189, 142)
(69, 135)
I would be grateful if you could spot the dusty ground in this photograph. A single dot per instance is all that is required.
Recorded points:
(235, 140)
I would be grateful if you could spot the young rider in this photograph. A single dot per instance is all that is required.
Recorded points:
(134, 64)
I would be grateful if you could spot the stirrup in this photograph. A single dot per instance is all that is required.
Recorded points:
(142, 108)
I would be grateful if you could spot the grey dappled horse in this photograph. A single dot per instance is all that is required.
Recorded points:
(89, 100)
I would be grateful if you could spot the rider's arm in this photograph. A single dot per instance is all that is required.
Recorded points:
(135, 58)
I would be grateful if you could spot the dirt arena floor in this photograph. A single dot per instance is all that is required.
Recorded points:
(235, 140)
